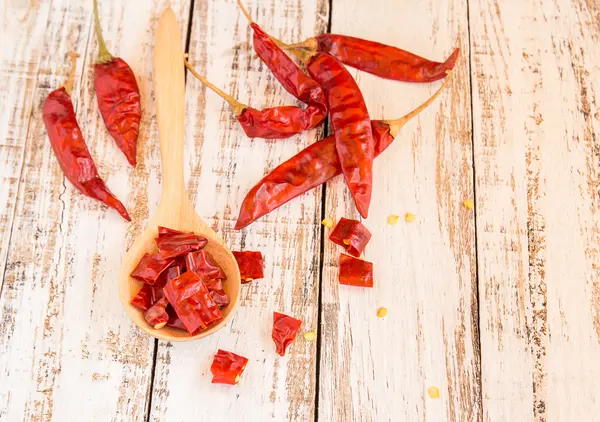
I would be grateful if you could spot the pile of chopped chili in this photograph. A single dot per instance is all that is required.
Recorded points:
(183, 284)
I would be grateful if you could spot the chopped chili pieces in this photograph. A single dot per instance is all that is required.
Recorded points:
(203, 264)
(355, 272)
(150, 267)
(220, 298)
(227, 367)
(285, 329)
(174, 245)
(214, 284)
(157, 315)
(145, 298)
(251, 265)
(192, 302)
(174, 320)
(352, 235)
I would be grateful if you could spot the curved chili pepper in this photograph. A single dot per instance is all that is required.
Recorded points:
(227, 367)
(312, 167)
(355, 272)
(352, 235)
(351, 125)
(69, 146)
(284, 332)
(118, 96)
(378, 59)
(270, 123)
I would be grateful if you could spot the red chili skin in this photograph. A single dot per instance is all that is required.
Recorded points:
(71, 151)
(148, 295)
(383, 60)
(157, 315)
(284, 332)
(308, 169)
(227, 367)
(203, 264)
(174, 245)
(355, 272)
(191, 300)
(220, 298)
(119, 103)
(290, 76)
(352, 235)
(150, 268)
(250, 264)
(351, 125)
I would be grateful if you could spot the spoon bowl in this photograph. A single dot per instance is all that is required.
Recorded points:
(175, 209)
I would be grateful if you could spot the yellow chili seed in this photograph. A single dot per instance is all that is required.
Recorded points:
(346, 241)
(469, 203)
(160, 325)
(327, 222)
(381, 312)
(249, 279)
(433, 392)
(392, 219)
(310, 336)
(409, 217)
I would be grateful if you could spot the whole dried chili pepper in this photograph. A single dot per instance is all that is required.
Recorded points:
(284, 332)
(285, 70)
(118, 96)
(378, 59)
(69, 146)
(157, 315)
(355, 271)
(270, 123)
(192, 302)
(227, 367)
(250, 264)
(312, 167)
(352, 235)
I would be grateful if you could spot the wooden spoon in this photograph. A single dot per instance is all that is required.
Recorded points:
(175, 209)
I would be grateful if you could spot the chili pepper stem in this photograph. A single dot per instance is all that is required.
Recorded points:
(68, 86)
(237, 107)
(396, 125)
(244, 11)
(103, 54)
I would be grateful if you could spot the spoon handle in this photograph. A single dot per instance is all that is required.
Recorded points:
(169, 86)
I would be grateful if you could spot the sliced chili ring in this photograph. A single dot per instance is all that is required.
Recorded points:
(352, 235)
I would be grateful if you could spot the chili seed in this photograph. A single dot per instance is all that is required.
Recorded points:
(381, 312)
(433, 392)
(393, 219)
(346, 241)
(469, 203)
(160, 325)
(310, 336)
(327, 222)
(409, 217)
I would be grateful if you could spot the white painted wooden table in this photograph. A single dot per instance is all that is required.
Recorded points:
(498, 308)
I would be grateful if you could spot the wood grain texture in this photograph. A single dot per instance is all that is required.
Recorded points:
(68, 348)
(375, 369)
(222, 164)
(535, 83)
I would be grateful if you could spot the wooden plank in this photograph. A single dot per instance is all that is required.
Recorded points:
(22, 41)
(222, 165)
(535, 83)
(68, 347)
(376, 369)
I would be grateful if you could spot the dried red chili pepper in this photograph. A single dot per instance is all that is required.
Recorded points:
(118, 96)
(284, 332)
(174, 320)
(270, 123)
(214, 285)
(312, 167)
(69, 146)
(250, 264)
(157, 315)
(178, 244)
(191, 300)
(352, 235)
(378, 59)
(220, 298)
(203, 264)
(150, 294)
(227, 367)
(355, 272)
(150, 267)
